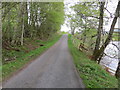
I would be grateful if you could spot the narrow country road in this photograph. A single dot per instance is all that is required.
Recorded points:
(53, 69)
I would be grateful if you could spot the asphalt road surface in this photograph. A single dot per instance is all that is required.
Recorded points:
(53, 69)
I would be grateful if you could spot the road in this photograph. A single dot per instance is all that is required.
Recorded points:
(53, 69)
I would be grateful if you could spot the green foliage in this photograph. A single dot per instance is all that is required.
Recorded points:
(85, 20)
(54, 17)
(92, 74)
(24, 21)
(33, 19)
(86, 9)
(89, 43)
(63, 32)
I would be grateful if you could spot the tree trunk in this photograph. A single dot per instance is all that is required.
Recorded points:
(26, 30)
(1, 63)
(22, 22)
(100, 28)
(117, 74)
(101, 50)
(14, 35)
(72, 30)
(22, 35)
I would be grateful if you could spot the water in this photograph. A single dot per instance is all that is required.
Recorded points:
(111, 61)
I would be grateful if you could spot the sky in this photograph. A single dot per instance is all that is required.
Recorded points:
(111, 6)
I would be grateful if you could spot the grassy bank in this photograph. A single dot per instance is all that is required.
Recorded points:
(92, 74)
(115, 37)
(28, 52)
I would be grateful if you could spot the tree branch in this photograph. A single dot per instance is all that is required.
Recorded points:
(109, 12)
(116, 46)
(111, 56)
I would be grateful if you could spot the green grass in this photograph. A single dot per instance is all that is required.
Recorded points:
(23, 58)
(92, 74)
(115, 37)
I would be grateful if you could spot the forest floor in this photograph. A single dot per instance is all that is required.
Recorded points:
(53, 69)
(92, 74)
(17, 60)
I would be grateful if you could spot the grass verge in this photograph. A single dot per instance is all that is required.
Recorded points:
(92, 74)
(24, 57)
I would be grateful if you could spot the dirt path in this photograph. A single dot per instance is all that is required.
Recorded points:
(53, 69)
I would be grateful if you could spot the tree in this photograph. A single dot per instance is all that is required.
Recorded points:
(30, 20)
(100, 28)
(86, 18)
(72, 23)
(22, 21)
(99, 53)
(117, 74)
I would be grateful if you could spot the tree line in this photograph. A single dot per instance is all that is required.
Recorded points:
(22, 20)
(89, 19)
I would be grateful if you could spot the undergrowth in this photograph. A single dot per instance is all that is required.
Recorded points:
(92, 74)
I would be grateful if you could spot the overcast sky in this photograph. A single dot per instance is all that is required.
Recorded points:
(111, 6)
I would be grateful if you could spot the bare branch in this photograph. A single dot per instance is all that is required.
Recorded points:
(116, 46)
(109, 13)
(111, 56)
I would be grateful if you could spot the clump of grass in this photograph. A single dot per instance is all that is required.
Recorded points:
(92, 74)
